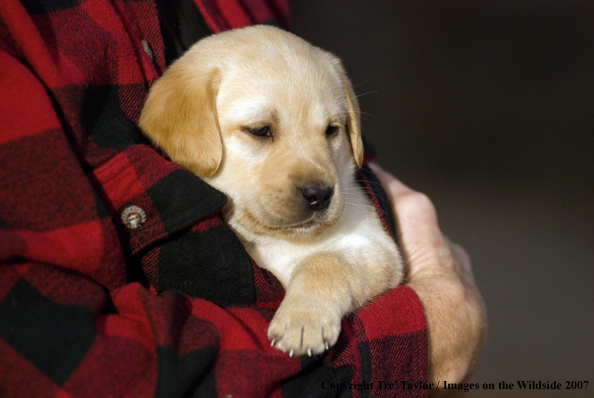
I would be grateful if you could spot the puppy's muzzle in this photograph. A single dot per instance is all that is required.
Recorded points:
(317, 196)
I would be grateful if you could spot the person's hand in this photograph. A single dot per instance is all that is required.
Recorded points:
(440, 272)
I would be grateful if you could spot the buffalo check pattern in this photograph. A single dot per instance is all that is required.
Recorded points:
(173, 307)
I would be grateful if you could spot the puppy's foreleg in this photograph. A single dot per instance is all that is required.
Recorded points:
(322, 289)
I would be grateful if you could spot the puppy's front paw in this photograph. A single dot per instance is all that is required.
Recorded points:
(300, 329)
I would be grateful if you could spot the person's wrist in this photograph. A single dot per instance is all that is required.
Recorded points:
(452, 309)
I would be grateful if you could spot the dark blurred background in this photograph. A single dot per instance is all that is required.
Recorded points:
(488, 107)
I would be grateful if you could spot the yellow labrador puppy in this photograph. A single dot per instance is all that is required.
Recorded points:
(272, 122)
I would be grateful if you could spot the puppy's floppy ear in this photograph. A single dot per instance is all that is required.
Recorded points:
(354, 121)
(180, 116)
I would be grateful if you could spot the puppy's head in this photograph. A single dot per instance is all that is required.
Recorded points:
(269, 120)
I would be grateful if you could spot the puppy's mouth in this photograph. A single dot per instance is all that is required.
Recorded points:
(306, 224)
(312, 226)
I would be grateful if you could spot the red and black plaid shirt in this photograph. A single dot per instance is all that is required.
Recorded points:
(175, 307)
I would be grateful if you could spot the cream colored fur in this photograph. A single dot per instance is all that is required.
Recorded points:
(205, 113)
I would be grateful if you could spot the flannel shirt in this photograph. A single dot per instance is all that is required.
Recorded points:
(173, 307)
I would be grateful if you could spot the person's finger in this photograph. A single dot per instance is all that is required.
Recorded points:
(390, 182)
(422, 244)
(414, 205)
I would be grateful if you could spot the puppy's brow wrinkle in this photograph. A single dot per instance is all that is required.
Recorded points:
(253, 110)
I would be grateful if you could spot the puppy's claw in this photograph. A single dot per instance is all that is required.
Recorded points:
(291, 353)
(273, 342)
(327, 346)
(309, 352)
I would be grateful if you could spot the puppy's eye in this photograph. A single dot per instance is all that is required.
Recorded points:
(261, 131)
(331, 131)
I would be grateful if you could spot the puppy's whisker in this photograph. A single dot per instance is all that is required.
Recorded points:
(363, 206)
(359, 201)
(369, 181)
(359, 84)
(361, 95)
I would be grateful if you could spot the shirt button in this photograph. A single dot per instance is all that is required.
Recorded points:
(147, 49)
(133, 216)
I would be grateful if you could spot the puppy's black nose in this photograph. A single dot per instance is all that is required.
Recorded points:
(317, 196)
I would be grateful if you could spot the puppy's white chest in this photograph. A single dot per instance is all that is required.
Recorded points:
(281, 257)
(354, 237)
